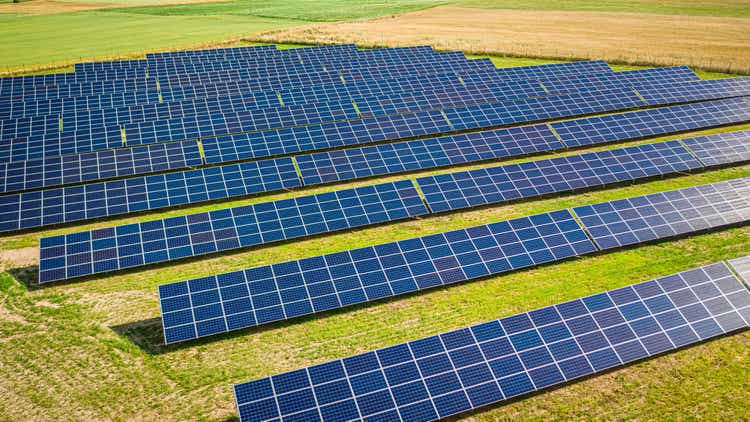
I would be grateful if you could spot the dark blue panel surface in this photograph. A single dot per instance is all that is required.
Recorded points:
(514, 181)
(173, 238)
(666, 214)
(96, 200)
(285, 290)
(468, 368)
(722, 148)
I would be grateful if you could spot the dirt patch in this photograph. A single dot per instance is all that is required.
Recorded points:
(720, 44)
(19, 258)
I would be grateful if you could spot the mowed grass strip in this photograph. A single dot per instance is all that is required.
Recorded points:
(712, 43)
(93, 350)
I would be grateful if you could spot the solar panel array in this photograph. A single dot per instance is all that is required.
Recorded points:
(132, 245)
(181, 128)
(443, 192)
(651, 217)
(231, 301)
(454, 372)
(496, 184)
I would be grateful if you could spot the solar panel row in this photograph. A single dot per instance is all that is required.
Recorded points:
(103, 199)
(107, 164)
(408, 125)
(270, 81)
(85, 253)
(448, 92)
(36, 209)
(652, 122)
(371, 100)
(231, 301)
(399, 157)
(661, 215)
(468, 368)
(499, 184)
(183, 73)
(260, 295)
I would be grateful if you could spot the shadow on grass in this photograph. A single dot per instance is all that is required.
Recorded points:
(27, 276)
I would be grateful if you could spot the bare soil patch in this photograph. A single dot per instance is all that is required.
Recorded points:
(711, 43)
(18, 258)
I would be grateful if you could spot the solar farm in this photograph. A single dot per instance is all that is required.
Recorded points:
(381, 187)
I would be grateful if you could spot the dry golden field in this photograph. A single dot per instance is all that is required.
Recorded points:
(711, 43)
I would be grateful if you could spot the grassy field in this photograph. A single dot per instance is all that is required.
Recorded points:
(721, 44)
(94, 349)
(40, 34)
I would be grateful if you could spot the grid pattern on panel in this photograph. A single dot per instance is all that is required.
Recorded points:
(133, 245)
(561, 69)
(742, 267)
(70, 105)
(401, 157)
(310, 138)
(653, 122)
(656, 94)
(256, 296)
(659, 77)
(666, 214)
(23, 149)
(461, 370)
(722, 148)
(533, 178)
(95, 200)
(67, 169)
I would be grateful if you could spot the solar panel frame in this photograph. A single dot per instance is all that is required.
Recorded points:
(355, 163)
(285, 290)
(30, 210)
(652, 122)
(452, 191)
(721, 148)
(469, 368)
(666, 214)
(99, 165)
(133, 245)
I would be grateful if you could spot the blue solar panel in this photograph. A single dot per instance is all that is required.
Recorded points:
(533, 178)
(655, 94)
(667, 214)
(133, 245)
(722, 148)
(465, 369)
(309, 138)
(68, 169)
(232, 301)
(421, 154)
(653, 122)
(96, 200)
(742, 267)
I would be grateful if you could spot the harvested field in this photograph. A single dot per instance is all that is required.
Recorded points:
(711, 43)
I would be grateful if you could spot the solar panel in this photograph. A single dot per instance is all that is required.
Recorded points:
(655, 94)
(133, 245)
(666, 214)
(722, 148)
(103, 199)
(421, 154)
(742, 267)
(255, 296)
(465, 369)
(652, 122)
(346, 133)
(68, 169)
(533, 178)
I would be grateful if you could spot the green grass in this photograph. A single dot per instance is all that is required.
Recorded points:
(41, 39)
(731, 8)
(304, 10)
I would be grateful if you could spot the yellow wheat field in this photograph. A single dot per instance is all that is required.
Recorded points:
(711, 43)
